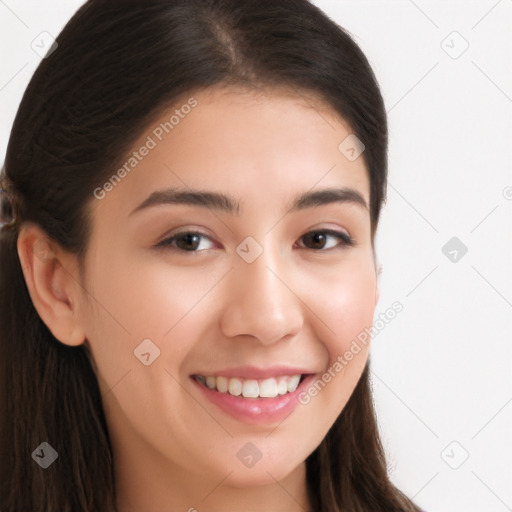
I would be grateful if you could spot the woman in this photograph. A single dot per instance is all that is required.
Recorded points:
(195, 188)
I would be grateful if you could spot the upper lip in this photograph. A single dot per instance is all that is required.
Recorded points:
(255, 372)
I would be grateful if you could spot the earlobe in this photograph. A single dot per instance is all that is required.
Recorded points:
(52, 287)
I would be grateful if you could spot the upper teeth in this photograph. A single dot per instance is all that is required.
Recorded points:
(252, 388)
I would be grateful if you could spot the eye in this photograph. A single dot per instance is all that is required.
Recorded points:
(186, 241)
(190, 241)
(318, 239)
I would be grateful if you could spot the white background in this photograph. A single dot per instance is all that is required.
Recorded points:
(442, 370)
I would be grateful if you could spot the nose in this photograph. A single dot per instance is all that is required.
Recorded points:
(262, 301)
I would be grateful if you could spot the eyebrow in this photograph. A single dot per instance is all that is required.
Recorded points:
(228, 204)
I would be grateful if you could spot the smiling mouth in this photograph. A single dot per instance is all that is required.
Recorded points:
(271, 387)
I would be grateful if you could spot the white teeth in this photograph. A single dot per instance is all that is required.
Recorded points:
(235, 387)
(268, 388)
(222, 384)
(282, 386)
(293, 383)
(252, 388)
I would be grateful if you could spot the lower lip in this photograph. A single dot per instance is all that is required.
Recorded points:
(256, 410)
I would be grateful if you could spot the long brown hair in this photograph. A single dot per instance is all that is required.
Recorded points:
(116, 66)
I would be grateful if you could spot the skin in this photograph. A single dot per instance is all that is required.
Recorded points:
(294, 304)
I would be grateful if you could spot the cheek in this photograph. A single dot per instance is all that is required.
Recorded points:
(136, 301)
(355, 305)
(346, 301)
(132, 299)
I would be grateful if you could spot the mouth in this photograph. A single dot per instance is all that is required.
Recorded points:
(255, 401)
(267, 388)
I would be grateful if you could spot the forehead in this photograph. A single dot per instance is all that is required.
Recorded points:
(261, 146)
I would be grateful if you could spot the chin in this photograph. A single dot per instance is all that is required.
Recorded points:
(260, 474)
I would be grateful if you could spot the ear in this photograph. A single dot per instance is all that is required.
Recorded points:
(52, 282)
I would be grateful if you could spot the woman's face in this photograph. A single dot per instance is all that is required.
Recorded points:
(266, 290)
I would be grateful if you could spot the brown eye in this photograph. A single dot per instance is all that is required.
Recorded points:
(187, 241)
(317, 240)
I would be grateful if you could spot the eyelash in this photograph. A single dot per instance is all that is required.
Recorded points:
(346, 240)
